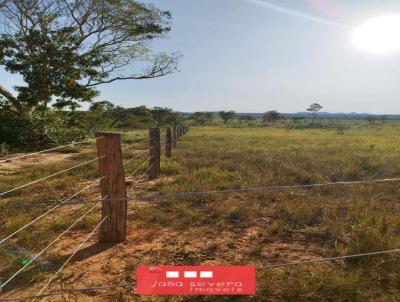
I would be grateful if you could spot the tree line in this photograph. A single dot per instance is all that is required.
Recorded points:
(63, 126)
(273, 116)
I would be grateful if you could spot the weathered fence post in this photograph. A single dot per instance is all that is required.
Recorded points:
(174, 137)
(168, 142)
(155, 152)
(113, 190)
(180, 130)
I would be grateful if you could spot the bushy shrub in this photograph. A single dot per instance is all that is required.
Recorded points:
(4, 148)
(65, 127)
(22, 132)
(33, 132)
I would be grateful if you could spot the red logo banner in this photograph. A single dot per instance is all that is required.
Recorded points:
(196, 280)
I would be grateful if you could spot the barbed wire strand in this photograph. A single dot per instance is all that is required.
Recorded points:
(143, 175)
(280, 187)
(50, 176)
(61, 204)
(50, 210)
(135, 157)
(140, 132)
(136, 143)
(69, 258)
(328, 259)
(155, 197)
(44, 204)
(47, 247)
(48, 150)
(70, 292)
(75, 202)
(138, 168)
(113, 199)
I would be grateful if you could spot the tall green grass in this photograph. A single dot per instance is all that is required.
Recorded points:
(287, 225)
(259, 228)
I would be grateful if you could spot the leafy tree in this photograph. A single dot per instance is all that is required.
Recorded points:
(272, 117)
(227, 115)
(64, 49)
(137, 117)
(36, 132)
(371, 119)
(314, 109)
(102, 106)
(99, 116)
(164, 116)
(22, 133)
(118, 117)
(105, 115)
(202, 118)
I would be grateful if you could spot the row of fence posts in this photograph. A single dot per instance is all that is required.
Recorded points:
(112, 182)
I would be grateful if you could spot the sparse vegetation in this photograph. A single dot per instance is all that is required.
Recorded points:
(272, 117)
(262, 228)
(314, 109)
(226, 116)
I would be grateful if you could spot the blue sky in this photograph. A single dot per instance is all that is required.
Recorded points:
(240, 55)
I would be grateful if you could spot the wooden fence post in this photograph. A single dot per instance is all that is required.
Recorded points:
(180, 130)
(155, 152)
(168, 142)
(178, 133)
(112, 184)
(174, 137)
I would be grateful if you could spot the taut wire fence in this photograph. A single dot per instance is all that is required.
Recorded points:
(114, 171)
(112, 180)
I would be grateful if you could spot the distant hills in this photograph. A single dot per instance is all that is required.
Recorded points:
(338, 115)
(341, 115)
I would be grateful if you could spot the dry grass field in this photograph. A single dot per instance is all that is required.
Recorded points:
(262, 228)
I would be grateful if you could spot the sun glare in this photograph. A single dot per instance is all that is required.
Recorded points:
(380, 35)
